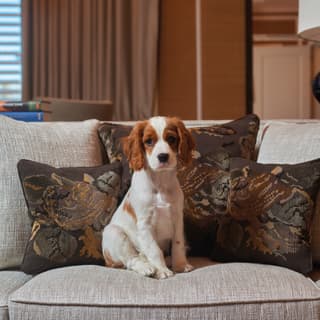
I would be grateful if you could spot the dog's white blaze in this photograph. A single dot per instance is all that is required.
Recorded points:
(159, 124)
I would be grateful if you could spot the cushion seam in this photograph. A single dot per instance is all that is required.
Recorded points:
(270, 301)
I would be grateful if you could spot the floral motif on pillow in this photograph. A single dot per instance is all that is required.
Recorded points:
(68, 209)
(269, 214)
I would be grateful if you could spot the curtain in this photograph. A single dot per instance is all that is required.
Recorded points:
(92, 50)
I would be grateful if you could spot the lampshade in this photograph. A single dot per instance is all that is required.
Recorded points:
(309, 19)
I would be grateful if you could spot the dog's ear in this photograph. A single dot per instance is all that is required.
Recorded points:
(133, 146)
(186, 142)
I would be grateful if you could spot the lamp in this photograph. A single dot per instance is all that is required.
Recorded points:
(309, 29)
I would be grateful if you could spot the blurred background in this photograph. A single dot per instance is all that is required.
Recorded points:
(196, 59)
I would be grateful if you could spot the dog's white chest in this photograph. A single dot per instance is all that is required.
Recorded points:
(163, 221)
(160, 201)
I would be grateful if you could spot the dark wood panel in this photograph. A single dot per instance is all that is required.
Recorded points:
(223, 58)
(274, 27)
(177, 59)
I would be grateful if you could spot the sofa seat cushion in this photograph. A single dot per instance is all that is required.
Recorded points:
(212, 292)
(10, 281)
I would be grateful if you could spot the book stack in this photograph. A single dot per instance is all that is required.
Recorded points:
(29, 111)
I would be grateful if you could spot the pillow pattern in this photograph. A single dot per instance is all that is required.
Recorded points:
(68, 208)
(205, 184)
(237, 137)
(289, 150)
(111, 136)
(58, 144)
(204, 181)
(269, 214)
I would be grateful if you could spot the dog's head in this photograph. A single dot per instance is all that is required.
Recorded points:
(158, 143)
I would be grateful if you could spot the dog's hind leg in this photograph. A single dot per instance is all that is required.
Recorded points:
(118, 251)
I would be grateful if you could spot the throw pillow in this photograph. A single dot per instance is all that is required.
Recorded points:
(288, 149)
(237, 137)
(205, 184)
(111, 136)
(68, 208)
(269, 215)
(56, 143)
(204, 180)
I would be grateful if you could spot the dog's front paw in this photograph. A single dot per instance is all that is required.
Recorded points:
(182, 267)
(143, 267)
(163, 273)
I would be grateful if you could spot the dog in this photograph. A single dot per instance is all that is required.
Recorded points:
(149, 221)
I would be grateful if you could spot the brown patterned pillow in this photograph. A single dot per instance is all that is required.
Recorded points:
(205, 185)
(111, 136)
(269, 214)
(237, 138)
(68, 208)
(205, 179)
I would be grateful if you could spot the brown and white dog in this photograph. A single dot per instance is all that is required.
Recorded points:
(150, 217)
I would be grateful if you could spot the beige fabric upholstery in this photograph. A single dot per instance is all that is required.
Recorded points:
(57, 144)
(290, 143)
(220, 291)
(9, 282)
(304, 310)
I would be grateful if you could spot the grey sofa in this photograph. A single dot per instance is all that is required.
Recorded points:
(212, 291)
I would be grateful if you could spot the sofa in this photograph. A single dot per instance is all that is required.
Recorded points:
(214, 290)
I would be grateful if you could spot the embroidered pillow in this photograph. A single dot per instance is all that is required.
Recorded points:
(237, 137)
(68, 208)
(111, 136)
(205, 185)
(269, 214)
(290, 150)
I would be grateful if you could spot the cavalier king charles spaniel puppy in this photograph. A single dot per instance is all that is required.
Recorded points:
(149, 221)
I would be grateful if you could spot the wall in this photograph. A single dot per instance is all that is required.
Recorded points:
(275, 24)
(221, 67)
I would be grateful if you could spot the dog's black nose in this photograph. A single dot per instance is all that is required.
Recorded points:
(163, 157)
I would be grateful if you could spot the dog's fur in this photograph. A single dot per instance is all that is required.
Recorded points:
(150, 217)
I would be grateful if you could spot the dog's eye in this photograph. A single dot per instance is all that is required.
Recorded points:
(171, 139)
(148, 142)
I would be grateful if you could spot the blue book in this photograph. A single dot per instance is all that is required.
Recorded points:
(28, 116)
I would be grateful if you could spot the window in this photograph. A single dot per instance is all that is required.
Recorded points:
(10, 50)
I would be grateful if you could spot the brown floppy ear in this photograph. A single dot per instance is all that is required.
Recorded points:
(186, 142)
(133, 146)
